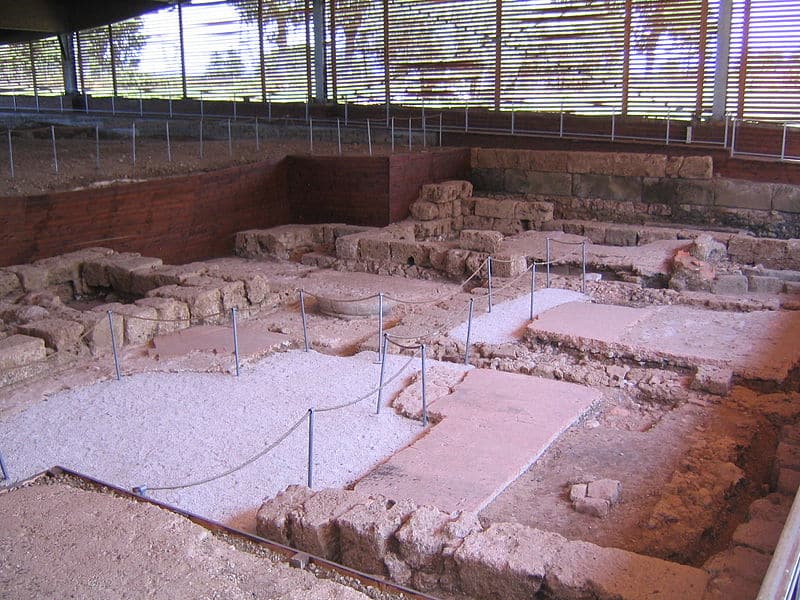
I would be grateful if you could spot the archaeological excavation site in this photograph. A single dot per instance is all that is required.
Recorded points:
(405, 337)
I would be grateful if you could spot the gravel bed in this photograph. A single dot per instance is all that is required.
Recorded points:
(161, 429)
(508, 319)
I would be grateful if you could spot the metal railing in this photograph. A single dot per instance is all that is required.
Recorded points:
(781, 580)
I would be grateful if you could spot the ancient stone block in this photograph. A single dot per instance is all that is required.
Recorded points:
(174, 313)
(232, 294)
(97, 331)
(504, 265)
(491, 180)
(204, 302)
(758, 534)
(599, 163)
(788, 481)
(605, 489)
(347, 246)
(729, 284)
(677, 191)
(446, 191)
(58, 334)
(708, 249)
(713, 379)
(9, 283)
(456, 262)
(595, 232)
(374, 248)
(481, 241)
(433, 230)
(438, 255)
(140, 323)
(608, 187)
(536, 213)
(20, 350)
(689, 273)
(577, 491)
(515, 181)
(476, 261)
(424, 211)
(786, 198)
(272, 519)
(246, 244)
(695, 167)
(596, 507)
(410, 253)
(543, 160)
(496, 208)
(422, 537)
(478, 222)
(31, 277)
(737, 193)
(621, 236)
(765, 285)
(365, 532)
(313, 526)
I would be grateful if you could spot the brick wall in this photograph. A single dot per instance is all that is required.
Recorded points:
(178, 219)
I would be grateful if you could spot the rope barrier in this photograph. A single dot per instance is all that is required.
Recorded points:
(342, 300)
(474, 274)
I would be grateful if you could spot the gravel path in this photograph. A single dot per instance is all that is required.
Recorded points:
(508, 319)
(161, 429)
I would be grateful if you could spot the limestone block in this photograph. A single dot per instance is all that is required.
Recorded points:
(506, 265)
(595, 232)
(508, 226)
(475, 261)
(424, 211)
(729, 284)
(507, 560)
(347, 246)
(457, 224)
(97, 332)
(678, 191)
(765, 285)
(787, 456)
(689, 273)
(333, 231)
(366, 531)
(605, 489)
(246, 244)
(9, 283)
(456, 262)
(175, 313)
(758, 534)
(638, 165)
(120, 272)
(467, 206)
(422, 538)
(410, 253)
(31, 277)
(478, 222)
(788, 481)
(203, 302)
(285, 241)
(508, 158)
(272, 519)
(256, 288)
(696, 167)
(144, 280)
(438, 255)
(446, 191)
(608, 187)
(773, 507)
(737, 193)
(488, 179)
(673, 165)
(481, 241)
(17, 314)
(496, 208)
(374, 248)
(712, 379)
(232, 294)
(313, 526)
(736, 573)
(432, 230)
(708, 249)
(590, 162)
(516, 181)
(139, 322)
(621, 236)
(543, 160)
(537, 213)
(578, 491)
(402, 231)
(786, 198)
(58, 334)
(596, 507)
(20, 350)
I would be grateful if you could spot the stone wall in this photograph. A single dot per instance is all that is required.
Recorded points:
(640, 188)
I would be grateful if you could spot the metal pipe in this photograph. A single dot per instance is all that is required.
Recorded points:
(380, 325)
(310, 134)
(310, 470)
(114, 345)
(201, 138)
(733, 136)
(466, 118)
(561, 122)
(235, 339)
(424, 129)
(339, 135)
(392, 135)
(303, 316)
(668, 123)
(533, 286)
(383, 372)
(469, 331)
(547, 258)
(440, 130)
(133, 143)
(369, 137)
(613, 126)
(424, 396)
(169, 144)
(3, 468)
(55, 152)
(10, 155)
(512, 122)
(409, 133)
(583, 267)
(97, 146)
(230, 139)
(489, 271)
(783, 143)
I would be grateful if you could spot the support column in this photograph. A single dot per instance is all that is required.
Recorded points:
(723, 60)
(70, 73)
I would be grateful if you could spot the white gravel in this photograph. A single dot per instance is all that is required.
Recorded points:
(161, 429)
(507, 320)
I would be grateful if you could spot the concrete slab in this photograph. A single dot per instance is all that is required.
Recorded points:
(494, 426)
(756, 345)
(253, 339)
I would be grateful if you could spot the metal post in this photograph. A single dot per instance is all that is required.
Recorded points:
(345, 112)
(668, 123)
(170, 108)
(141, 111)
(234, 110)
(14, 102)
(269, 110)
(113, 106)
(383, 372)
(97, 146)
(583, 266)
(424, 396)
(561, 122)
(258, 140)
(303, 316)
(533, 286)
(235, 338)
(310, 471)
(3, 469)
(307, 115)
(409, 133)
(55, 152)
(169, 144)
(613, 126)
(201, 138)
(783, 143)
(466, 118)
(392, 134)
(133, 143)
(10, 155)
(230, 140)
(61, 103)
(725, 136)
(202, 111)
(489, 270)
(380, 325)
(469, 330)
(733, 136)
(440, 129)
(424, 130)
(311, 135)
(369, 137)
(114, 344)
(512, 122)
(547, 258)
(339, 135)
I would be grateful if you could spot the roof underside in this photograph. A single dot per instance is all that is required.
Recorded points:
(23, 20)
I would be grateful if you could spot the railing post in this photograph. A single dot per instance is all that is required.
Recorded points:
(469, 331)
(547, 258)
(424, 396)
(303, 317)
(369, 137)
(339, 135)
(310, 468)
(3, 468)
(533, 286)
(583, 266)
(783, 143)
(380, 326)
(114, 344)
(489, 271)
(235, 338)
(385, 343)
